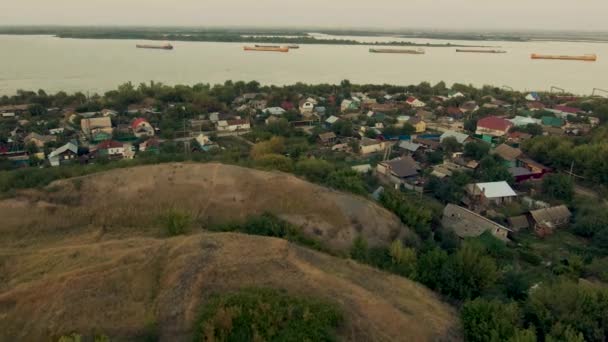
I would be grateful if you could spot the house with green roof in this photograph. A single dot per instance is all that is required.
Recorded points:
(552, 121)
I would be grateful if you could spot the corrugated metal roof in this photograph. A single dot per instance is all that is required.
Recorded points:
(495, 189)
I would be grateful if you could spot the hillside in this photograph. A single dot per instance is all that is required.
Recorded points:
(127, 201)
(88, 255)
(117, 287)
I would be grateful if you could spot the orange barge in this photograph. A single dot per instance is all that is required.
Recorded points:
(587, 58)
(266, 48)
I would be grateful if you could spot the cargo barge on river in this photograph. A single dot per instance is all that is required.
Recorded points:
(266, 48)
(586, 58)
(158, 47)
(480, 51)
(406, 51)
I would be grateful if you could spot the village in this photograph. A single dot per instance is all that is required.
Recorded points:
(424, 144)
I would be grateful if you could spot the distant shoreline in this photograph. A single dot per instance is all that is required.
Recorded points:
(238, 38)
(300, 35)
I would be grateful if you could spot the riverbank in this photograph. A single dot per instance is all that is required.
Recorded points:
(213, 36)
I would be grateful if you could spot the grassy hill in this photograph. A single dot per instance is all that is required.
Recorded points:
(88, 255)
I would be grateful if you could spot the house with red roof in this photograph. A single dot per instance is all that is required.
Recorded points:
(110, 148)
(414, 102)
(564, 111)
(287, 105)
(493, 126)
(141, 127)
(454, 112)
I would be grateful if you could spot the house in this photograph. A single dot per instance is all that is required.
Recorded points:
(141, 127)
(535, 167)
(97, 129)
(276, 111)
(109, 112)
(414, 102)
(320, 111)
(508, 153)
(454, 112)
(522, 174)
(8, 115)
(533, 97)
(385, 107)
(564, 111)
(331, 120)
(428, 144)
(327, 138)
(467, 224)
(518, 137)
(151, 145)
(520, 121)
(460, 137)
(492, 193)
(16, 109)
(111, 149)
(552, 121)
(452, 94)
(349, 105)
(425, 115)
(535, 106)
(399, 170)
(287, 105)
(368, 146)
(409, 146)
(258, 104)
(56, 131)
(418, 123)
(233, 125)
(306, 107)
(546, 220)
(65, 154)
(469, 107)
(493, 126)
(39, 140)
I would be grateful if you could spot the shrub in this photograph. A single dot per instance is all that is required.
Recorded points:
(268, 224)
(266, 315)
(176, 222)
(484, 320)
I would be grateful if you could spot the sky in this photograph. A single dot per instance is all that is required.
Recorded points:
(553, 15)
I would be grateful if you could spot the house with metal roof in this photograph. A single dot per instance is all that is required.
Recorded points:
(546, 220)
(491, 193)
(65, 154)
(399, 170)
(460, 137)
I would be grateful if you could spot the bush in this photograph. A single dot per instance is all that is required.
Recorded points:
(268, 224)
(484, 320)
(176, 222)
(266, 315)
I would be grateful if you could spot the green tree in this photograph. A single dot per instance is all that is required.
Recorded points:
(359, 250)
(470, 272)
(451, 145)
(558, 186)
(36, 110)
(484, 320)
(476, 149)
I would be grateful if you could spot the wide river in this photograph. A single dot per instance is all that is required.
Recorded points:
(53, 64)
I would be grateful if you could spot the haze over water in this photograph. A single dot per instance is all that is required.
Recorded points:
(53, 64)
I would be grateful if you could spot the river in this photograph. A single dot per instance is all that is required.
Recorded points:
(88, 65)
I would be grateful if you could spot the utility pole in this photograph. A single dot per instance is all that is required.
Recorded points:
(598, 90)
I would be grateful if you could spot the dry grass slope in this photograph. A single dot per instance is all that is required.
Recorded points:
(127, 200)
(88, 255)
(118, 286)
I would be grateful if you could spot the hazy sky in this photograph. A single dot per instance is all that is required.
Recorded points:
(453, 14)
